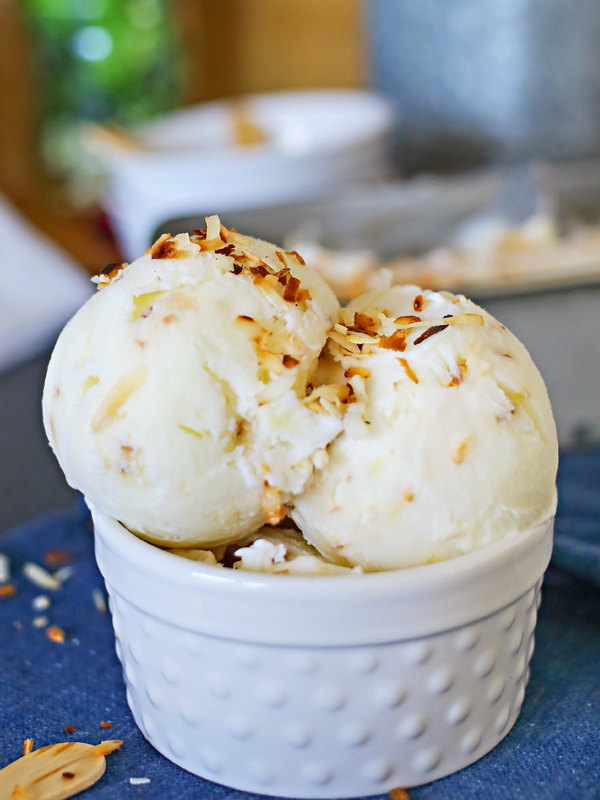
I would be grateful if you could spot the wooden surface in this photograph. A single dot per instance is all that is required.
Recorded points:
(232, 47)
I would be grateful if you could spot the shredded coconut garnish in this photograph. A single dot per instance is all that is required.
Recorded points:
(40, 577)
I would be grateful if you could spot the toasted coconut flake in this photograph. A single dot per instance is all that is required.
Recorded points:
(340, 329)
(99, 601)
(213, 227)
(8, 590)
(225, 251)
(344, 342)
(396, 341)
(418, 302)
(270, 361)
(360, 371)
(347, 317)
(272, 506)
(296, 255)
(408, 369)
(106, 725)
(40, 577)
(56, 634)
(210, 244)
(237, 238)
(255, 260)
(270, 292)
(430, 332)
(303, 296)
(466, 319)
(4, 568)
(362, 338)
(292, 287)
(365, 323)
(64, 573)
(281, 257)
(407, 320)
(157, 248)
(27, 746)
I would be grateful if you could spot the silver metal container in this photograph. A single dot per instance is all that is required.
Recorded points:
(476, 81)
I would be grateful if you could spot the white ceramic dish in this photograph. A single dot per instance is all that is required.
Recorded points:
(188, 162)
(324, 687)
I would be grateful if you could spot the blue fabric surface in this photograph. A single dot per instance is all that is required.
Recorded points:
(552, 752)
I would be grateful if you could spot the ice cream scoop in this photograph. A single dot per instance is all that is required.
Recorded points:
(174, 397)
(450, 442)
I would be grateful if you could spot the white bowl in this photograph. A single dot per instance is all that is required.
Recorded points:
(324, 687)
(188, 163)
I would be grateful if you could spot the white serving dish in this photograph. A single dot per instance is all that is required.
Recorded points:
(324, 687)
(188, 163)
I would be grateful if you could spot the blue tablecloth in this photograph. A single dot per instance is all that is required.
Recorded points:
(552, 752)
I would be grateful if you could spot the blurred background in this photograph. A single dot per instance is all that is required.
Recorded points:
(449, 143)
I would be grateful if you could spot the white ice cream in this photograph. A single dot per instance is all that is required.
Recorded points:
(449, 445)
(173, 398)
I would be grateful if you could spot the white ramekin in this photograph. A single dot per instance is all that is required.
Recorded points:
(319, 687)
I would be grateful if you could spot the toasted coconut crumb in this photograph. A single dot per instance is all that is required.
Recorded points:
(41, 602)
(398, 794)
(408, 496)
(458, 455)
(106, 724)
(8, 590)
(272, 505)
(27, 746)
(69, 728)
(54, 558)
(56, 634)
(39, 622)
(408, 369)
(289, 362)
(430, 332)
